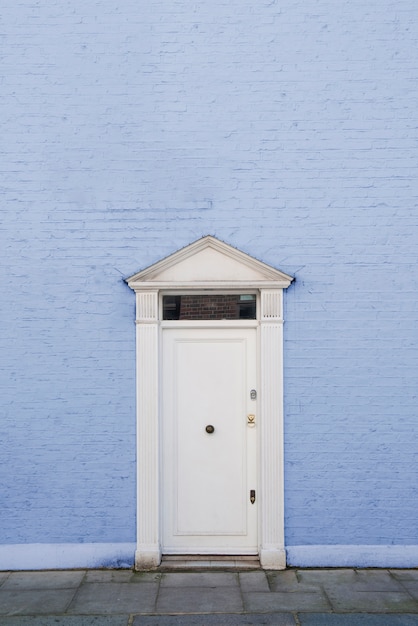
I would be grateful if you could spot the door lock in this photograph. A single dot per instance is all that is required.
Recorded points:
(252, 496)
(251, 420)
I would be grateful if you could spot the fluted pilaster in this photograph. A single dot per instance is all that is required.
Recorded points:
(148, 552)
(272, 553)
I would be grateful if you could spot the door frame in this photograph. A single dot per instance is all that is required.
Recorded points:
(210, 265)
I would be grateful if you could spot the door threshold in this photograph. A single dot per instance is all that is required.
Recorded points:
(186, 562)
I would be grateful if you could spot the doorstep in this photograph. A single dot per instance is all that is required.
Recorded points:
(220, 562)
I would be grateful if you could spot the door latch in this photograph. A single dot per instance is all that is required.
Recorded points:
(252, 496)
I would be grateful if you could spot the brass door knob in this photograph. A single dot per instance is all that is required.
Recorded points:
(210, 429)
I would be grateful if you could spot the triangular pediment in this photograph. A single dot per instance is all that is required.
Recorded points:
(208, 263)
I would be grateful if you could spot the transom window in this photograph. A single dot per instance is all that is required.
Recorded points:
(210, 307)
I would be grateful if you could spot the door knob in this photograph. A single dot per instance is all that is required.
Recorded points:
(210, 429)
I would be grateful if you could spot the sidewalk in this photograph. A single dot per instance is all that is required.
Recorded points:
(294, 597)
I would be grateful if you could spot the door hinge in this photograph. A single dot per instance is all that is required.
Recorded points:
(252, 496)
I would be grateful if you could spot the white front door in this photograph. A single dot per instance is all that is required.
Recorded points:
(208, 477)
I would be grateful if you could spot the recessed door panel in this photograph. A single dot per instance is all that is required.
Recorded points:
(209, 449)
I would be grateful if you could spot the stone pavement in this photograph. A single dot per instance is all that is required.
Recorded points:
(294, 597)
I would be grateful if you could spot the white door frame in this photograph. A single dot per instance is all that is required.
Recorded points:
(209, 264)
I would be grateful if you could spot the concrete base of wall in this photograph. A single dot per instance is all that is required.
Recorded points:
(352, 556)
(36, 556)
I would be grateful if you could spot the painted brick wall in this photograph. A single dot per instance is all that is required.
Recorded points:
(287, 129)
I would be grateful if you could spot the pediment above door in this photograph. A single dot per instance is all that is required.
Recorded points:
(209, 263)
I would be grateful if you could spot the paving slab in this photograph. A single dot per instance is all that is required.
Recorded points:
(65, 620)
(114, 598)
(276, 601)
(120, 576)
(356, 619)
(34, 601)
(44, 580)
(199, 600)
(3, 577)
(346, 599)
(322, 576)
(288, 581)
(408, 579)
(411, 587)
(376, 580)
(223, 619)
(253, 581)
(362, 582)
(405, 574)
(199, 579)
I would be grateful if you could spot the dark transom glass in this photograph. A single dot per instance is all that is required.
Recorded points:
(210, 307)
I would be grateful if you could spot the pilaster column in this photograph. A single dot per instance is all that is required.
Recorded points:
(148, 552)
(272, 550)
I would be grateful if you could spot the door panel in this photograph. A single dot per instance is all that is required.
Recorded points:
(207, 477)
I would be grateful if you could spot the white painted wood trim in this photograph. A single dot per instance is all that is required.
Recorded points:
(148, 551)
(272, 549)
(240, 286)
(210, 324)
(267, 275)
(271, 524)
(269, 283)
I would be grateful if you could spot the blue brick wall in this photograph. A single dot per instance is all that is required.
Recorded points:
(288, 129)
